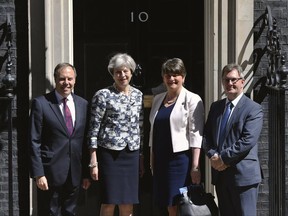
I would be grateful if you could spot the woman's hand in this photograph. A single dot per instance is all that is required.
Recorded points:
(195, 176)
(94, 173)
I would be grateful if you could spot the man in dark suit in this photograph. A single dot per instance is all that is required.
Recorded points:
(233, 154)
(56, 154)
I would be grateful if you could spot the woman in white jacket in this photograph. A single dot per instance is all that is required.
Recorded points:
(177, 120)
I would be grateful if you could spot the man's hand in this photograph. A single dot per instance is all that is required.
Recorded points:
(42, 183)
(217, 163)
(86, 183)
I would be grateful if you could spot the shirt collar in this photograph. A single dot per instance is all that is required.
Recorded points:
(60, 97)
(236, 100)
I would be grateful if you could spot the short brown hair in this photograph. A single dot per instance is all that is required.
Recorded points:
(174, 66)
(60, 66)
(232, 66)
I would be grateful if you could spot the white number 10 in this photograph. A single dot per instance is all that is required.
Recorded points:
(142, 16)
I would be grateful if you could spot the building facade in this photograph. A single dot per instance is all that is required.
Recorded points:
(45, 33)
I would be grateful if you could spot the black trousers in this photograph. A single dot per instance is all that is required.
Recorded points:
(62, 199)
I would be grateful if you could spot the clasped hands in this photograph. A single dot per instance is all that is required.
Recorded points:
(217, 163)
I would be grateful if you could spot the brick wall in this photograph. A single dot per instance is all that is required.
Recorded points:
(279, 11)
(263, 200)
(8, 180)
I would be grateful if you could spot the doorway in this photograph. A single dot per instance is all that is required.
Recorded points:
(151, 31)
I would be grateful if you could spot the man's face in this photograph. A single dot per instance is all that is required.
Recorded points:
(233, 84)
(65, 81)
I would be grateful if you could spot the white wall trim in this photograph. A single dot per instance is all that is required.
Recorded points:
(58, 34)
(50, 42)
(228, 30)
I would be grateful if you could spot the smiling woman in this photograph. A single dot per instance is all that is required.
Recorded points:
(116, 138)
(175, 113)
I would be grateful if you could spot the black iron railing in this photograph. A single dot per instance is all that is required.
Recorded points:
(276, 91)
(7, 96)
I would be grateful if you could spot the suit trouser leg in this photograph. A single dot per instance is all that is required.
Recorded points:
(235, 200)
(43, 202)
(64, 197)
(249, 197)
(70, 199)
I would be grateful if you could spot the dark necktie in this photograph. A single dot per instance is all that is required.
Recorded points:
(224, 121)
(67, 116)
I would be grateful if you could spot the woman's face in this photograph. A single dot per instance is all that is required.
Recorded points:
(173, 82)
(122, 76)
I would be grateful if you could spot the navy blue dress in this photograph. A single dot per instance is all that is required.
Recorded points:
(171, 171)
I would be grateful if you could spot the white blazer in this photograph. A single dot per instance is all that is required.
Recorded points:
(186, 120)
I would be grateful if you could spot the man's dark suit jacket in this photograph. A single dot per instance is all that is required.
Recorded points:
(240, 149)
(53, 151)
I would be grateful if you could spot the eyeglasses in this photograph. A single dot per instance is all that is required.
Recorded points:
(233, 80)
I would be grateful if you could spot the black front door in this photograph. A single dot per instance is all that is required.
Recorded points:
(151, 31)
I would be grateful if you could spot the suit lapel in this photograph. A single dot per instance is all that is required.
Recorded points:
(77, 111)
(220, 111)
(235, 113)
(53, 103)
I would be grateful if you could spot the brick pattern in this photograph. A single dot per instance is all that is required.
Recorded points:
(263, 200)
(7, 7)
(279, 11)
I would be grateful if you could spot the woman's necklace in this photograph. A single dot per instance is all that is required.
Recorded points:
(169, 100)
